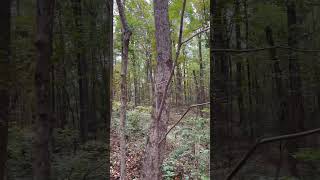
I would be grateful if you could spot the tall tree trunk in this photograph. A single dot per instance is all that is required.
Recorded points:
(4, 83)
(126, 34)
(179, 87)
(43, 131)
(107, 71)
(135, 81)
(295, 100)
(202, 95)
(239, 63)
(82, 73)
(154, 152)
(219, 72)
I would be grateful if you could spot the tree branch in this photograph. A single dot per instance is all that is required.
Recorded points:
(184, 114)
(269, 140)
(266, 48)
(202, 31)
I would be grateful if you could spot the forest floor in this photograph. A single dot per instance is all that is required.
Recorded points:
(135, 148)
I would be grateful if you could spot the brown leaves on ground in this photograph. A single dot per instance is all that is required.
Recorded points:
(134, 158)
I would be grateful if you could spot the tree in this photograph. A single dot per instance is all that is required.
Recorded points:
(82, 71)
(43, 123)
(126, 34)
(154, 152)
(4, 83)
(219, 73)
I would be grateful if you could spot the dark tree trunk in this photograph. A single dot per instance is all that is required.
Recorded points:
(295, 100)
(239, 63)
(43, 123)
(219, 72)
(4, 83)
(154, 152)
(82, 73)
(107, 78)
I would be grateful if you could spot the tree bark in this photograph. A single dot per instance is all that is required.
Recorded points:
(41, 159)
(82, 73)
(219, 72)
(4, 83)
(154, 153)
(295, 100)
(126, 34)
(107, 71)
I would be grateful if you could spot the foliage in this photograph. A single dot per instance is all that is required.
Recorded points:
(190, 153)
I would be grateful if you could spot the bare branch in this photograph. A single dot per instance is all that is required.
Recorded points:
(269, 140)
(267, 48)
(196, 34)
(184, 114)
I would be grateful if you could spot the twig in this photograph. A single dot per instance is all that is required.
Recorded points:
(269, 140)
(184, 114)
(267, 48)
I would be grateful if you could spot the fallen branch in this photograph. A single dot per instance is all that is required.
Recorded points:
(267, 48)
(184, 114)
(269, 140)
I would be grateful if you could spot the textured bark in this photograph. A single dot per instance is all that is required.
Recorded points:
(239, 63)
(107, 71)
(154, 153)
(41, 159)
(295, 100)
(82, 73)
(4, 83)
(126, 34)
(219, 72)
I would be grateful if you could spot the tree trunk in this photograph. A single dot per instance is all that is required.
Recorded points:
(295, 100)
(4, 83)
(219, 72)
(126, 34)
(43, 131)
(107, 71)
(202, 96)
(135, 81)
(82, 73)
(154, 152)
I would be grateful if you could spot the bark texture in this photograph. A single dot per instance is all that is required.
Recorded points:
(154, 152)
(41, 159)
(4, 83)
(221, 138)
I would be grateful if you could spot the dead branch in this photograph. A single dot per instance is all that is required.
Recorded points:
(267, 48)
(269, 140)
(184, 114)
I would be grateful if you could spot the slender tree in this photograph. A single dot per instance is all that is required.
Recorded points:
(126, 34)
(44, 18)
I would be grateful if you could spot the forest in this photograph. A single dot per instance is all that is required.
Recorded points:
(159, 89)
